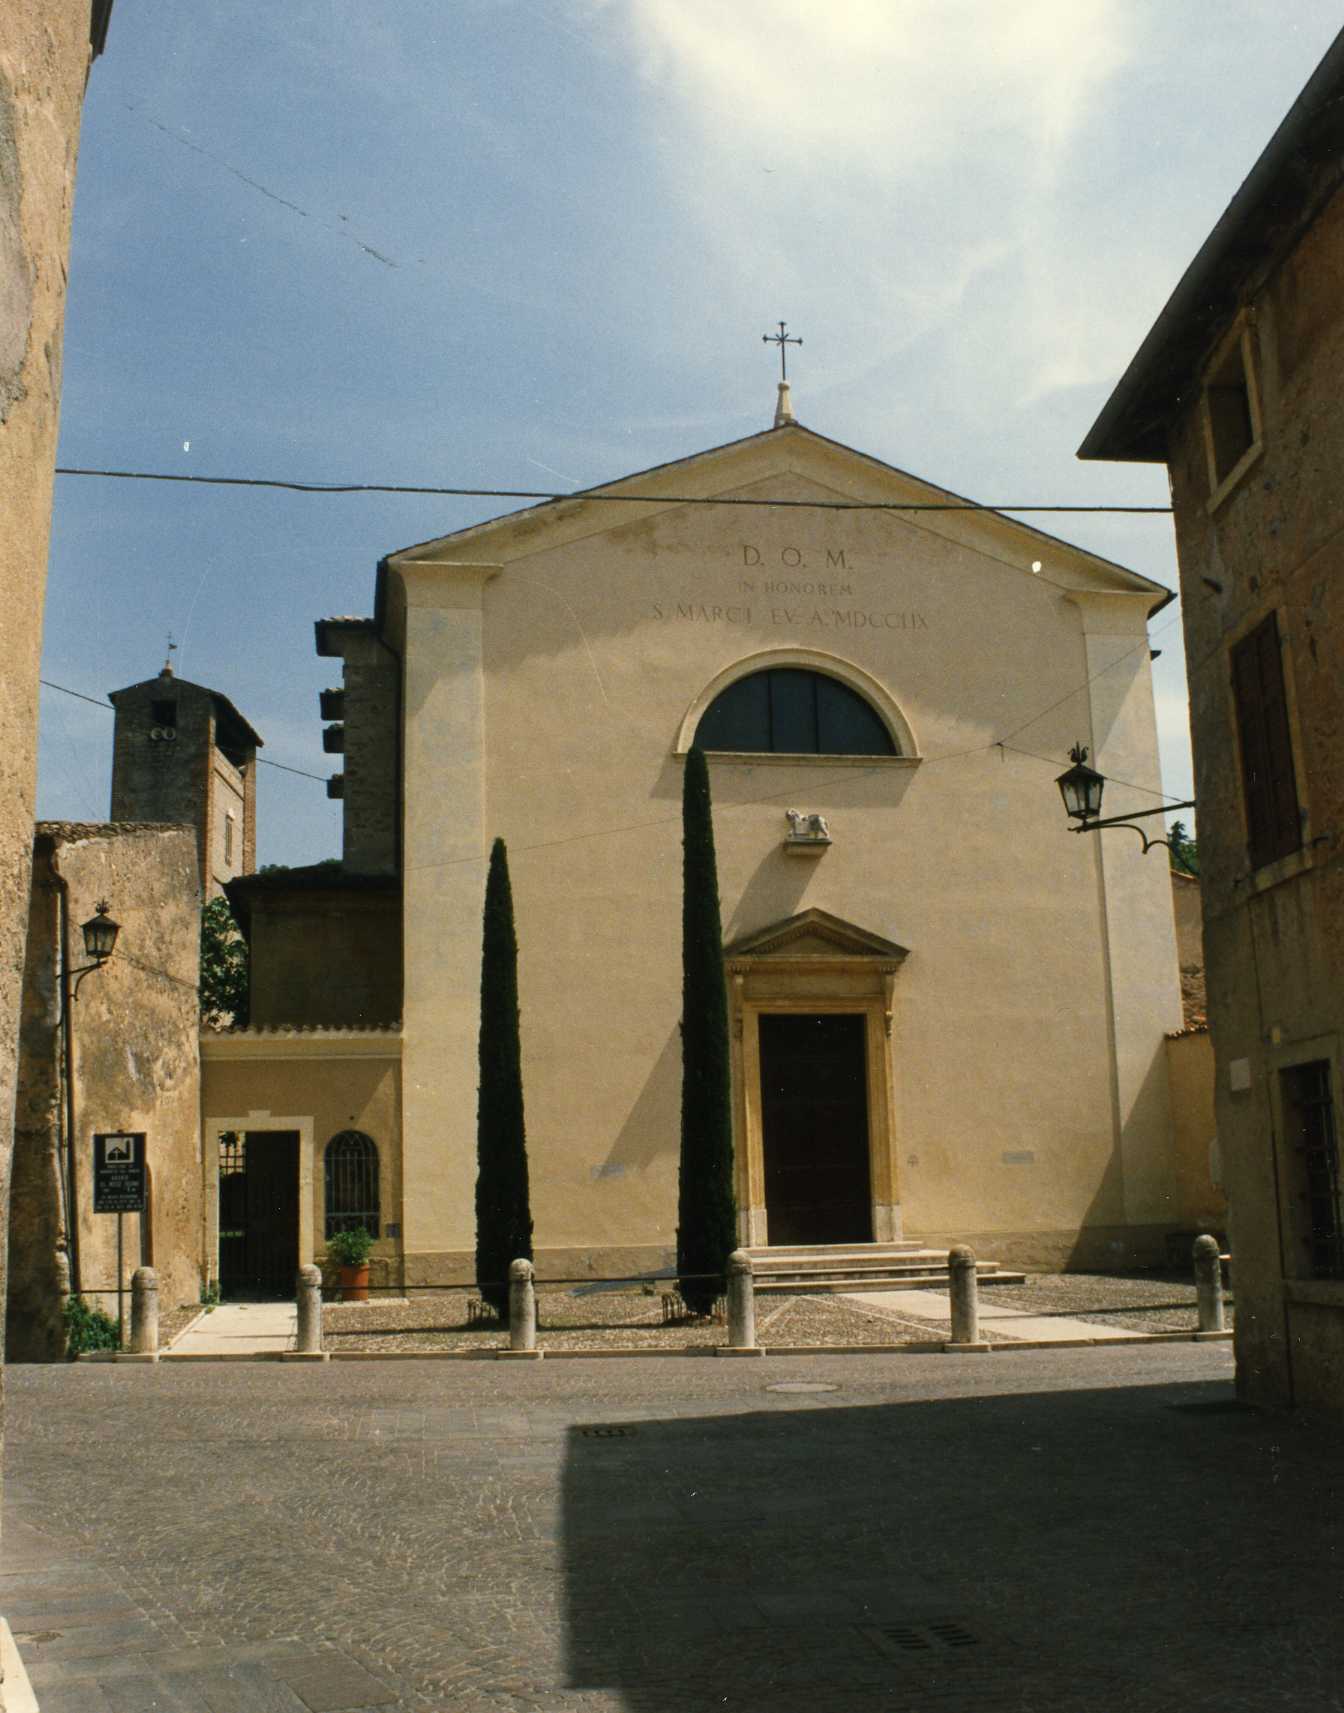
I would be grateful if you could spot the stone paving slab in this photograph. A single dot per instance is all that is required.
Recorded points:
(997, 1317)
(241, 1329)
(1063, 1531)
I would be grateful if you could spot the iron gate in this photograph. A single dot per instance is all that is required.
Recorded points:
(258, 1213)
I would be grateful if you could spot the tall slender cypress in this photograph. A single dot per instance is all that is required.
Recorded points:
(706, 1215)
(503, 1213)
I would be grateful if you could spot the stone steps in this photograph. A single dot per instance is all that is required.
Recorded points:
(861, 1266)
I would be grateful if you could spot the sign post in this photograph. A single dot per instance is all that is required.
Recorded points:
(119, 1187)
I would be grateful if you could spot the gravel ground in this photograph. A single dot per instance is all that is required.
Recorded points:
(614, 1320)
(174, 1321)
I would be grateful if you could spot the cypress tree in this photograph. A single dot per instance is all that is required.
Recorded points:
(706, 1216)
(503, 1212)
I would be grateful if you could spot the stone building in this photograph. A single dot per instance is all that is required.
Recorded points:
(115, 1051)
(948, 1021)
(182, 753)
(46, 50)
(1238, 390)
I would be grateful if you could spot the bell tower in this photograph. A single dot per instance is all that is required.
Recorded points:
(183, 753)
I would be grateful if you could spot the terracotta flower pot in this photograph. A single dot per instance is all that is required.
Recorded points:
(355, 1283)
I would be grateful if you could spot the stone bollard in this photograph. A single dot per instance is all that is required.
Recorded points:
(309, 1296)
(144, 1312)
(741, 1302)
(1209, 1284)
(522, 1307)
(965, 1291)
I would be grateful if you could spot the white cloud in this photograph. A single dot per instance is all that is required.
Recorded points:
(885, 161)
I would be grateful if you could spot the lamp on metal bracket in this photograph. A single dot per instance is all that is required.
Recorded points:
(1081, 789)
(100, 940)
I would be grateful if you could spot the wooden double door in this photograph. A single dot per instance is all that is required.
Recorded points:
(814, 1127)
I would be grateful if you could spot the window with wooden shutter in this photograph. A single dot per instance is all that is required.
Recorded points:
(1269, 785)
(1309, 1131)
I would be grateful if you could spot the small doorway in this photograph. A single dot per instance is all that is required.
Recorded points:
(814, 1123)
(258, 1214)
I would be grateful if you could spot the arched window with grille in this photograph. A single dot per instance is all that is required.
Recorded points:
(352, 1183)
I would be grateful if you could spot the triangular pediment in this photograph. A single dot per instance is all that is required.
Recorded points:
(791, 463)
(815, 934)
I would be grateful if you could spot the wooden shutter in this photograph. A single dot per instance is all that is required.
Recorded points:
(1273, 824)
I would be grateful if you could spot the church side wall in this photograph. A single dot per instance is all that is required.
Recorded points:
(445, 842)
(1138, 926)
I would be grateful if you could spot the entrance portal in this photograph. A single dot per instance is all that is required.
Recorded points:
(814, 1122)
(258, 1213)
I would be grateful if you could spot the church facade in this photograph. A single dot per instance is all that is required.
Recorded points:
(948, 1016)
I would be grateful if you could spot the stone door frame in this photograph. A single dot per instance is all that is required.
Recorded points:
(257, 1121)
(813, 964)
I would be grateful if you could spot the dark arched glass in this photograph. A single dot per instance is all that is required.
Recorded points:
(787, 710)
(352, 1183)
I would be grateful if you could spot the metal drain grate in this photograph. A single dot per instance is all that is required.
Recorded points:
(608, 1430)
(898, 1640)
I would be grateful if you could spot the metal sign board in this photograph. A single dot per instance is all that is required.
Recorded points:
(119, 1172)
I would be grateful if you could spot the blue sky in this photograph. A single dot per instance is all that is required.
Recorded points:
(535, 243)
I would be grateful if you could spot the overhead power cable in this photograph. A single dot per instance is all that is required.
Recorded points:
(98, 702)
(597, 494)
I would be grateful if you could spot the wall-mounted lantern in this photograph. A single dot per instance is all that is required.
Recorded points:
(100, 941)
(1081, 788)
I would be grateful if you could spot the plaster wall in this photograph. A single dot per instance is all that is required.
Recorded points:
(1274, 939)
(319, 1083)
(44, 61)
(135, 1065)
(543, 705)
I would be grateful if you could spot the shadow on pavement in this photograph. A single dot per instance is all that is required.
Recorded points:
(1146, 1548)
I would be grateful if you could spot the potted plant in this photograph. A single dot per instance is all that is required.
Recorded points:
(350, 1251)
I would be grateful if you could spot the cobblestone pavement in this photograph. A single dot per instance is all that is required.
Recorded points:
(1036, 1531)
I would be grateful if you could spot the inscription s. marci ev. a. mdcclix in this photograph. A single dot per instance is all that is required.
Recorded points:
(795, 602)
(825, 618)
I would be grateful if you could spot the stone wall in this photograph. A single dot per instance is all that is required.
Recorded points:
(366, 734)
(44, 62)
(1273, 542)
(1201, 1200)
(324, 948)
(181, 753)
(134, 1055)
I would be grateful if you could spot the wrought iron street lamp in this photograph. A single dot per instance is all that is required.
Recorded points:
(100, 940)
(1081, 789)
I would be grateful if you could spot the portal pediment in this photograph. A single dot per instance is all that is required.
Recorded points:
(814, 936)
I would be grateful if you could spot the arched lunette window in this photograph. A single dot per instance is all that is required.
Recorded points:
(789, 710)
(352, 1183)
